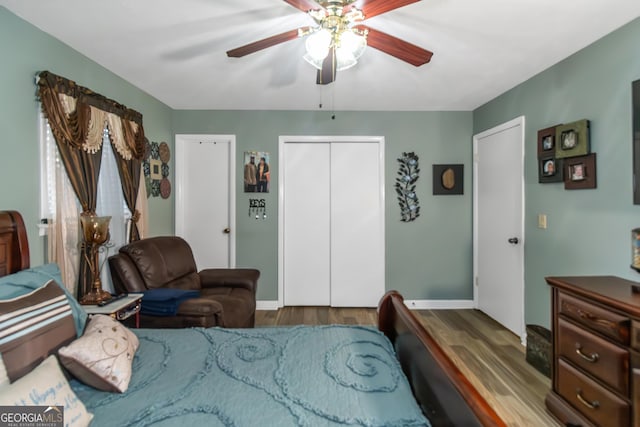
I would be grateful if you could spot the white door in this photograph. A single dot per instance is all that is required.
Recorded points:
(357, 225)
(499, 223)
(331, 229)
(307, 246)
(205, 197)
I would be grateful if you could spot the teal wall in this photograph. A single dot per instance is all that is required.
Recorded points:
(429, 258)
(589, 231)
(25, 50)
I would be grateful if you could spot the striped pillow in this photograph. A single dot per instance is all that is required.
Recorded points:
(32, 327)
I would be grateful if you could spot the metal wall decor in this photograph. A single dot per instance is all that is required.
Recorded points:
(156, 169)
(258, 207)
(408, 174)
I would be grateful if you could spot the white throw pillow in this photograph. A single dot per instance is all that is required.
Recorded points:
(103, 356)
(47, 386)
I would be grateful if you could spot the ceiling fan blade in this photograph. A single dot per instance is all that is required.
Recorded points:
(328, 72)
(265, 43)
(371, 8)
(304, 5)
(394, 46)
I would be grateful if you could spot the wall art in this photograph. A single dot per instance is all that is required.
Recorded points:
(257, 172)
(572, 139)
(580, 172)
(408, 175)
(550, 170)
(156, 169)
(549, 167)
(635, 89)
(448, 180)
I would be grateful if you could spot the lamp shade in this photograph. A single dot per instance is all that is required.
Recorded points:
(349, 47)
(95, 228)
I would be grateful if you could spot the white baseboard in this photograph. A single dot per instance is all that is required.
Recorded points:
(427, 304)
(412, 304)
(266, 305)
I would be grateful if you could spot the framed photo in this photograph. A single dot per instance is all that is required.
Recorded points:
(580, 172)
(549, 170)
(448, 179)
(572, 139)
(155, 169)
(547, 142)
(635, 89)
(257, 172)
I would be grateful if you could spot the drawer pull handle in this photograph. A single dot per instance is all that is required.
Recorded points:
(591, 405)
(591, 358)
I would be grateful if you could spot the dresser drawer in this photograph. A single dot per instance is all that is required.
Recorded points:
(635, 335)
(597, 403)
(613, 325)
(601, 358)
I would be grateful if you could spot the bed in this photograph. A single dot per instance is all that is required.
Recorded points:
(392, 375)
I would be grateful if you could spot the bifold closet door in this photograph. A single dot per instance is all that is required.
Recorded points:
(307, 253)
(333, 224)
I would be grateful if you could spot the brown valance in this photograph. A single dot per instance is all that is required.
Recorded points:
(68, 87)
(78, 115)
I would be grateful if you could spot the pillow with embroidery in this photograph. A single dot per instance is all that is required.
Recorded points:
(103, 356)
(47, 386)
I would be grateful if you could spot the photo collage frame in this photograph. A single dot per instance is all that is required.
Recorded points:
(564, 155)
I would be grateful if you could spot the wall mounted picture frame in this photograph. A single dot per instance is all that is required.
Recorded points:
(448, 179)
(257, 172)
(573, 139)
(547, 142)
(635, 90)
(580, 172)
(155, 169)
(550, 170)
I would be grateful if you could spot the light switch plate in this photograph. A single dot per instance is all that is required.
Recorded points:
(542, 221)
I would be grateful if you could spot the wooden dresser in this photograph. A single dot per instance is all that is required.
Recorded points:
(596, 351)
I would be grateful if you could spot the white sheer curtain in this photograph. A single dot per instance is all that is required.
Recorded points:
(111, 203)
(59, 205)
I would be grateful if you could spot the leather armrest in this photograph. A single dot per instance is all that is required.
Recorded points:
(200, 307)
(125, 275)
(230, 278)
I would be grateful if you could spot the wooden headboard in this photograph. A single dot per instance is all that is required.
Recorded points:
(14, 246)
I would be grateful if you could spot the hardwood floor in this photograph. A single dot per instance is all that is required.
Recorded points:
(488, 354)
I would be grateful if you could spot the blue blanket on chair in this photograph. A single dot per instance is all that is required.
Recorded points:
(165, 301)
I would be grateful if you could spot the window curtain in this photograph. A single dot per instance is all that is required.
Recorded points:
(77, 117)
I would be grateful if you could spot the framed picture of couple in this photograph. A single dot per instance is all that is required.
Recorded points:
(257, 172)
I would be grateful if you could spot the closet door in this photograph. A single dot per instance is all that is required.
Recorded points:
(307, 263)
(357, 225)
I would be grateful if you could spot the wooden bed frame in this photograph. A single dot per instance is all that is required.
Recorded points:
(445, 395)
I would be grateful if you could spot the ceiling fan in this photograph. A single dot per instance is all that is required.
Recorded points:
(338, 39)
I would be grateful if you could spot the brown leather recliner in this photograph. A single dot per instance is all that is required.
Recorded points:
(227, 296)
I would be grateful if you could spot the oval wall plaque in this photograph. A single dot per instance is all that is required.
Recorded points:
(448, 179)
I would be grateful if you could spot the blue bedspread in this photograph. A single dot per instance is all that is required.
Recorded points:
(300, 376)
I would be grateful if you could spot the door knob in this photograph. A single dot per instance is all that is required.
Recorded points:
(227, 230)
(513, 240)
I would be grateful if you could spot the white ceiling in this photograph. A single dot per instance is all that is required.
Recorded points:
(175, 49)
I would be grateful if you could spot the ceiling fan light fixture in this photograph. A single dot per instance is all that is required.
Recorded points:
(350, 45)
(317, 45)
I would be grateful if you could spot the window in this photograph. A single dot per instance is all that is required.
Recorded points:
(58, 203)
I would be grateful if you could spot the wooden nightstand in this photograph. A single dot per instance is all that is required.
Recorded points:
(119, 309)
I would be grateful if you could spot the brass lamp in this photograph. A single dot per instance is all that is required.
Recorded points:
(96, 233)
